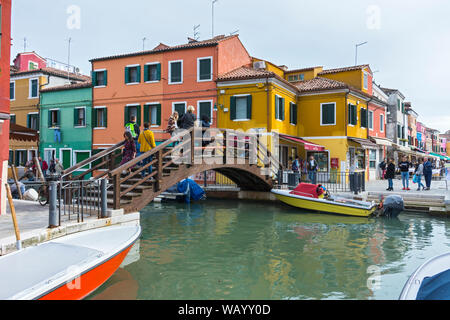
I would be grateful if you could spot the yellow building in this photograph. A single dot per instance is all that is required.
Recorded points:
(260, 98)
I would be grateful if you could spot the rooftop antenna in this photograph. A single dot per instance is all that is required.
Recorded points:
(24, 44)
(212, 4)
(196, 33)
(68, 60)
(143, 43)
(356, 54)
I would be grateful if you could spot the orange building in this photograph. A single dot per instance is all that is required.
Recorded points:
(152, 84)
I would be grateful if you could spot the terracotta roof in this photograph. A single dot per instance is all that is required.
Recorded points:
(79, 85)
(243, 73)
(53, 72)
(21, 133)
(344, 69)
(319, 84)
(162, 47)
(303, 69)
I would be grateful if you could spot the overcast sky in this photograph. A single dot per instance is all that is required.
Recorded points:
(408, 40)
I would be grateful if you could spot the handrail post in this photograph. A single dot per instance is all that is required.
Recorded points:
(104, 198)
(52, 217)
(192, 146)
(116, 186)
(159, 174)
(225, 146)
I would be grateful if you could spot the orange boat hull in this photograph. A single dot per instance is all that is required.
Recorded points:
(89, 281)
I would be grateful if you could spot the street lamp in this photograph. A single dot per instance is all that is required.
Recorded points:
(356, 53)
(212, 4)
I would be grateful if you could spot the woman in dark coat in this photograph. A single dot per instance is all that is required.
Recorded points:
(390, 175)
(129, 150)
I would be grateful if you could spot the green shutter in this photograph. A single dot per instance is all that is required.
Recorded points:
(94, 78)
(146, 76)
(127, 75)
(158, 71)
(75, 117)
(139, 74)
(105, 117)
(49, 114)
(105, 77)
(147, 113)
(233, 108)
(94, 118)
(282, 109)
(138, 119)
(58, 118)
(293, 113)
(158, 115)
(126, 116)
(249, 107)
(28, 121)
(277, 103)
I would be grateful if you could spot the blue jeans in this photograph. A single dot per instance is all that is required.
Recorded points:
(405, 179)
(390, 183)
(419, 182)
(312, 176)
(145, 162)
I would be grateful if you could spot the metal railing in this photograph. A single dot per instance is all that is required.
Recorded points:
(77, 197)
(332, 181)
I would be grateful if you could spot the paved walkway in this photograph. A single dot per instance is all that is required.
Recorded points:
(437, 187)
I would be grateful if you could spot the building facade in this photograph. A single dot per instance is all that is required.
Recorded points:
(152, 84)
(5, 52)
(66, 124)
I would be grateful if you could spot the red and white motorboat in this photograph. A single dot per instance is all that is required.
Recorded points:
(68, 268)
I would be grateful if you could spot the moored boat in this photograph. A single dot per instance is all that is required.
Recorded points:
(431, 281)
(68, 268)
(308, 196)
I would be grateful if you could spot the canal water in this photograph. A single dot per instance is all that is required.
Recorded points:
(226, 249)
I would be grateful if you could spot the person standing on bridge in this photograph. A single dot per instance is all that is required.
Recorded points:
(129, 150)
(172, 126)
(187, 121)
(147, 141)
(133, 128)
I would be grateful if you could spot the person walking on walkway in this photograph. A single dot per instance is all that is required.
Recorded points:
(404, 169)
(390, 175)
(419, 174)
(147, 142)
(312, 169)
(382, 167)
(427, 172)
(129, 150)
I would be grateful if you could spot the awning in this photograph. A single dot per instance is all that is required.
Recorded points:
(308, 145)
(438, 156)
(21, 133)
(402, 148)
(365, 143)
(382, 141)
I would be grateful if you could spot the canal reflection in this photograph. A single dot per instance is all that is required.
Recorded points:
(253, 250)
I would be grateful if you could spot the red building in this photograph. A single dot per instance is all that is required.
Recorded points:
(5, 57)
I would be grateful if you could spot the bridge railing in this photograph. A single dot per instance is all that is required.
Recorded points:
(190, 147)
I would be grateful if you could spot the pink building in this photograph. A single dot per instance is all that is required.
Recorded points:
(29, 61)
(421, 136)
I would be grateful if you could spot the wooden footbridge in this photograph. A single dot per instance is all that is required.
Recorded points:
(242, 157)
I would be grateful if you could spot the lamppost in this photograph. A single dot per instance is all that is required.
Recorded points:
(212, 4)
(356, 53)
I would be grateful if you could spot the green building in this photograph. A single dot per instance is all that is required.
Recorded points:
(65, 128)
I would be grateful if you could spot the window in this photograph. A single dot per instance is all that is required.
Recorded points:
(301, 77)
(205, 109)
(241, 108)
(398, 104)
(175, 72)
(152, 72)
(34, 90)
(327, 114)
(366, 81)
(33, 121)
(12, 118)
(99, 78)
(99, 117)
(12, 90)
(352, 115)
(132, 74)
(293, 113)
(399, 133)
(371, 120)
(152, 114)
(293, 78)
(364, 118)
(54, 118)
(179, 107)
(21, 158)
(372, 159)
(204, 69)
(279, 108)
(11, 158)
(381, 122)
(79, 117)
(33, 65)
(132, 111)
